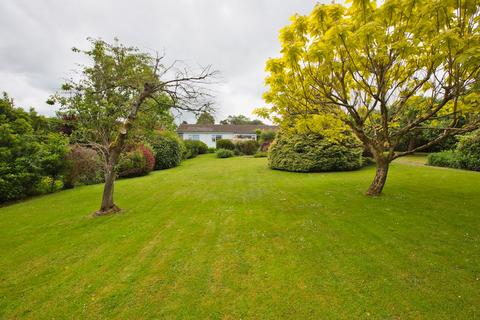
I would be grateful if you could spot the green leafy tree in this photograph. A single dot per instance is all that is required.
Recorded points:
(366, 67)
(155, 116)
(240, 119)
(28, 152)
(205, 118)
(114, 90)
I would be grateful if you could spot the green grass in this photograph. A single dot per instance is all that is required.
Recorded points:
(231, 239)
(415, 159)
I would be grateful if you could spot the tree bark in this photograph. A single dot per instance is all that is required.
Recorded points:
(108, 205)
(378, 182)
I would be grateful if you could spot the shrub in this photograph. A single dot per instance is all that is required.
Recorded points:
(367, 161)
(48, 185)
(225, 153)
(191, 149)
(211, 150)
(84, 166)
(194, 148)
(312, 152)
(149, 157)
(168, 150)
(132, 164)
(449, 158)
(469, 162)
(469, 150)
(264, 146)
(201, 147)
(248, 147)
(225, 144)
(260, 154)
(267, 136)
(465, 156)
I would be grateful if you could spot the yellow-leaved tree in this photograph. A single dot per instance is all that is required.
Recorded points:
(381, 71)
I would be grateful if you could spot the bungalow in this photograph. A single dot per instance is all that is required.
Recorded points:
(210, 133)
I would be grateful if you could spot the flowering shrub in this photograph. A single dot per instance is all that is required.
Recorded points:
(149, 157)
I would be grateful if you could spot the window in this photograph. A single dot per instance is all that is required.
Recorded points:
(216, 137)
(193, 137)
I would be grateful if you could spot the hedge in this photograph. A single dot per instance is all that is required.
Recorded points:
(313, 153)
(465, 156)
(167, 149)
(225, 144)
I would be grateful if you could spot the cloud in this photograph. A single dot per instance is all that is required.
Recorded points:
(234, 36)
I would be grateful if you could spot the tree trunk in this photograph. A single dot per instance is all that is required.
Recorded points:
(108, 205)
(378, 183)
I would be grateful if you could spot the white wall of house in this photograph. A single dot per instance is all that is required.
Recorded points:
(209, 138)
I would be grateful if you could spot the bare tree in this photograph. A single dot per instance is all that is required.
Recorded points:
(115, 88)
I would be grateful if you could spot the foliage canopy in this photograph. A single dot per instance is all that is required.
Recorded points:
(365, 67)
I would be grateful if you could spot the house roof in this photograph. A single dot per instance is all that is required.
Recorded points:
(230, 128)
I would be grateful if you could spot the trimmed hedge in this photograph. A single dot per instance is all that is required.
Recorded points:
(225, 153)
(466, 156)
(448, 158)
(313, 153)
(167, 149)
(225, 144)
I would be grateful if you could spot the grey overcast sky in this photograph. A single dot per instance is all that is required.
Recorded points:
(235, 36)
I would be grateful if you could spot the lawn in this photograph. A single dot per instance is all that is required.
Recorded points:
(231, 239)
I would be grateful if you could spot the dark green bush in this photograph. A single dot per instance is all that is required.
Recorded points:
(312, 152)
(449, 158)
(225, 144)
(465, 156)
(132, 164)
(469, 149)
(469, 162)
(248, 147)
(367, 161)
(201, 147)
(211, 150)
(225, 153)
(29, 153)
(191, 149)
(194, 148)
(168, 150)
